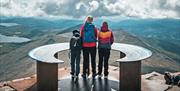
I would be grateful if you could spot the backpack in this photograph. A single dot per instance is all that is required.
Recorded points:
(172, 79)
(177, 79)
(89, 33)
(75, 43)
(168, 78)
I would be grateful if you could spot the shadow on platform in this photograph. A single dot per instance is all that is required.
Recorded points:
(84, 85)
(88, 85)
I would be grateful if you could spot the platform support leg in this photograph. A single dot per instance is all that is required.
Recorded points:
(47, 76)
(130, 76)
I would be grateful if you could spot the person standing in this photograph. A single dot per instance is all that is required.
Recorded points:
(88, 34)
(75, 50)
(105, 40)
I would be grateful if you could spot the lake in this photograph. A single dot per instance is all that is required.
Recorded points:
(13, 39)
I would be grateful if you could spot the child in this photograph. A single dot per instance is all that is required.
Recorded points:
(105, 40)
(75, 48)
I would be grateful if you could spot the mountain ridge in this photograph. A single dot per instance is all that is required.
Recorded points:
(15, 63)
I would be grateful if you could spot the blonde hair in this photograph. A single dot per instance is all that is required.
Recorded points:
(89, 18)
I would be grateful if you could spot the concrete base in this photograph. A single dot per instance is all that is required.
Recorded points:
(130, 76)
(47, 76)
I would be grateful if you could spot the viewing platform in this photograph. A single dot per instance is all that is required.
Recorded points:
(129, 60)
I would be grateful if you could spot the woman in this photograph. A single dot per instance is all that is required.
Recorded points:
(105, 40)
(88, 34)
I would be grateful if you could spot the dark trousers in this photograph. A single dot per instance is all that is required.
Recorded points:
(103, 60)
(75, 62)
(89, 51)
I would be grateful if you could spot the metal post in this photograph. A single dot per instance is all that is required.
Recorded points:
(47, 76)
(130, 76)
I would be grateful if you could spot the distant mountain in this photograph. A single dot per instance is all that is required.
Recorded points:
(153, 28)
(159, 61)
(14, 60)
(21, 31)
(162, 34)
(41, 24)
(70, 29)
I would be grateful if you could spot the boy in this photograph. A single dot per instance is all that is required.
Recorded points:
(75, 49)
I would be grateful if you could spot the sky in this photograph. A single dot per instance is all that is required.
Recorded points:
(96, 8)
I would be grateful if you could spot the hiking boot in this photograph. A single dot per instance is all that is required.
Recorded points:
(178, 84)
(106, 77)
(83, 76)
(100, 75)
(94, 75)
(76, 78)
(72, 75)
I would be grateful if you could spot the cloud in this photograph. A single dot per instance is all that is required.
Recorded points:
(145, 8)
(97, 8)
(14, 8)
(93, 5)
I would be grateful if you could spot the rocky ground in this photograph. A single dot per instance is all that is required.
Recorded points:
(150, 82)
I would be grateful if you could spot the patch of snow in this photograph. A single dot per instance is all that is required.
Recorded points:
(13, 39)
(8, 24)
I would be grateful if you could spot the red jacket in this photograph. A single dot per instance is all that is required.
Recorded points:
(86, 44)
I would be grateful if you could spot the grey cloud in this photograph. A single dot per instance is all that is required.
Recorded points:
(111, 1)
(163, 5)
(102, 11)
(50, 8)
(69, 8)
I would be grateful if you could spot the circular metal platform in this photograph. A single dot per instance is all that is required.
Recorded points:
(130, 68)
(46, 53)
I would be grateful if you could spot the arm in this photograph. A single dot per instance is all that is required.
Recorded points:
(70, 44)
(112, 38)
(96, 32)
(80, 43)
(81, 31)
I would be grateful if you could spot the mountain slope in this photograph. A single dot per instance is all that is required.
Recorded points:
(159, 61)
(16, 63)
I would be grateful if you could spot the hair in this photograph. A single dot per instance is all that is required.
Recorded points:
(89, 18)
(75, 31)
(105, 23)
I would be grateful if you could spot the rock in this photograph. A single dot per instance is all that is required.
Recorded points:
(7, 88)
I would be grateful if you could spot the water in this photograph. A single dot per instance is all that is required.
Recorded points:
(8, 24)
(13, 39)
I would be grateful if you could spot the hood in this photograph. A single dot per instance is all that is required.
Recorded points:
(104, 28)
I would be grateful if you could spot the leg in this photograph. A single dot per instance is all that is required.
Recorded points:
(93, 59)
(73, 54)
(100, 52)
(47, 76)
(85, 60)
(78, 54)
(106, 59)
